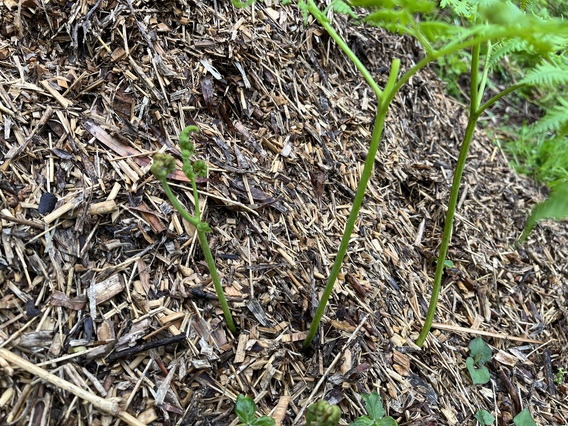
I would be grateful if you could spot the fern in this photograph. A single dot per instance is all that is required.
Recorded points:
(339, 6)
(555, 207)
(547, 74)
(555, 120)
(509, 47)
(464, 9)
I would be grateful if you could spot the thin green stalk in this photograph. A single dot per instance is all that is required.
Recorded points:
(357, 202)
(383, 101)
(498, 96)
(201, 234)
(177, 205)
(196, 200)
(485, 75)
(475, 99)
(322, 19)
(216, 281)
(350, 225)
(447, 235)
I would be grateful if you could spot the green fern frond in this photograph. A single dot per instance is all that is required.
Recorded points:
(463, 8)
(547, 74)
(339, 6)
(410, 6)
(555, 120)
(395, 21)
(508, 47)
(438, 30)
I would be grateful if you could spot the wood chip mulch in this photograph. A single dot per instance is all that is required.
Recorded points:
(103, 287)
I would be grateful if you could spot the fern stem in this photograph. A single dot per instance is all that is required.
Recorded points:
(382, 108)
(498, 96)
(474, 100)
(350, 225)
(484, 76)
(206, 251)
(322, 19)
(216, 281)
(448, 227)
(177, 205)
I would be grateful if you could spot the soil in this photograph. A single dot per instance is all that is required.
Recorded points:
(105, 286)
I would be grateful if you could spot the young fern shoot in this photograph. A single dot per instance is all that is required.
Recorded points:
(491, 21)
(163, 165)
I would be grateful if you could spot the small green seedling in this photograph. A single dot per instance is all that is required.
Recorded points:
(323, 414)
(245, 408)
(524, 418)
(484, 417)
(559, 376)
(448, 264)
(163, 165)
(480, 353)
(375, 411)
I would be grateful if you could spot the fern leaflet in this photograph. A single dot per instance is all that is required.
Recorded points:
(546, 74)
(555, 120)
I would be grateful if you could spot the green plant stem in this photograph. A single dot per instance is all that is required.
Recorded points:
(485, 75)
(357, 202)
(383, 101)
(475, 98)
(206, 251)
(196, 200)
(177, 205)
(349, 226)
(447, 235)
(216, 281)
(322, 19)
(498, 96)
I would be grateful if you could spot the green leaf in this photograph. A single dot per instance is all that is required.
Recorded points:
(555, 120)
(555, 207)
(245, 408)
(461, 8)
(386, 421)
(362, 421)
(480, 351)
(484, 417)
(241, 4)
(546, 74)
(339, 6)
(502, 13)
(524, 418)
(374, 405)
(479, 376)
(434, 30)
(263, 421)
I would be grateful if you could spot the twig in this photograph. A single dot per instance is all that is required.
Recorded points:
(110, 406)
(144, 347)
(26, 222)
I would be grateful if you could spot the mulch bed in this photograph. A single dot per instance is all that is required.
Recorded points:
(104, 285)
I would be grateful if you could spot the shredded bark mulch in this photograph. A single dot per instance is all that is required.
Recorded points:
(103, 287)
